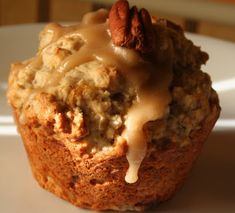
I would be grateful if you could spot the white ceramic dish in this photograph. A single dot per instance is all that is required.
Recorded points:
(211, 187)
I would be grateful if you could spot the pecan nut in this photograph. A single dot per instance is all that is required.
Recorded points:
(131, 28)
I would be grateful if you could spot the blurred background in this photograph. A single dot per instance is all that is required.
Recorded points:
(215, 18)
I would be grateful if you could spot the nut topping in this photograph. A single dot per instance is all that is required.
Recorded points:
(131, 28)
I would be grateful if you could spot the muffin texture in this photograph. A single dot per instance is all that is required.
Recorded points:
(72, 103)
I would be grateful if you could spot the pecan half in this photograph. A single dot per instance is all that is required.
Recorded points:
(131, 28)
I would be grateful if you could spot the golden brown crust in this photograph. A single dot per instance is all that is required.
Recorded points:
(97, 181)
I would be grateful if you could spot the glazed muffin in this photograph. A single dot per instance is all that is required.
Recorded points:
(114, 111)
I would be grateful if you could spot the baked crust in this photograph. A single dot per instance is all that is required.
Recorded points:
(97, 181)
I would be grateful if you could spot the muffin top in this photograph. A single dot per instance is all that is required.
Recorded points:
(116, 78)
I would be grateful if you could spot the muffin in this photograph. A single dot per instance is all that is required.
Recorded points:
(114, 111)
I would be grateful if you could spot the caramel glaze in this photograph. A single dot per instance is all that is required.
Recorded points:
(148, 106)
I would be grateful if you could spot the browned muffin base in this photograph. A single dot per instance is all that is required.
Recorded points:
(97, 182)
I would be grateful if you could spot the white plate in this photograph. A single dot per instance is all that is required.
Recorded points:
(211, 187)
